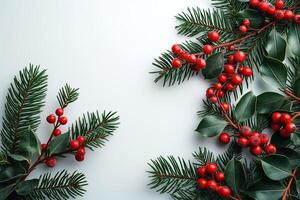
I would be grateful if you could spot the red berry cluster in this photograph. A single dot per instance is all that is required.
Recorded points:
(283, 122)
(212, 180)
(246, 138)
(78, 146)
(196, 63)
(245, 25)
(276, 10)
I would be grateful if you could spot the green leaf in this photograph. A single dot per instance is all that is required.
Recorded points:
(270, 101)
(296, 87)
(11, 172)
(211, 126)
(266, 190)
(274, 72)
(296, 139)
(235, 175)
(255, 17)
(246, 107)
(276, 167)
(298, 186)
(293, 39)
(293, 155)
(30, 145)
(26, 187)
(58, 144)
(214, 66)
(17, 157)
(3, 159)
(276, 45)
(280, 141)
(6, 191)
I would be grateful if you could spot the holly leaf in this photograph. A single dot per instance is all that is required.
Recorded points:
(29, 145)
(274, 72)
(6, 191)
(280, 141)
(293, 39)
(246, 107)
(295, 138)
(12, 172)
(293, 155)
(266, 190)
(235, 175)
(58, 144)
(24, 188)
(211, 126)
(276, 45)
(296, 87)
(214, 66)
(276, 167)
(17, 157)
(270, 101)
(254, 16)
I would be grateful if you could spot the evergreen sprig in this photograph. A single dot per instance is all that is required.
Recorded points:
(67, 95)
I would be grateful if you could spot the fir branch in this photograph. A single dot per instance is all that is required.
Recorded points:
(62, 186)
(95, 128)
(234, 150)
(67, 95)
(229, 7)
(23, 105)
(203, 156)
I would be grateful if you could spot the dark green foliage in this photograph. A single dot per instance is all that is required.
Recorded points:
(229, 7)
(67, 95)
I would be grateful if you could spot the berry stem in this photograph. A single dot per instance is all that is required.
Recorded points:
(229, 120)
(295, 116)
(234, 198)
(289, 185)
(290, 94)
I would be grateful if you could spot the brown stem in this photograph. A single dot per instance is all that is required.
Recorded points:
(234, 198)
(289, 185)
(229, 120)
(290, 94)
(295, 116)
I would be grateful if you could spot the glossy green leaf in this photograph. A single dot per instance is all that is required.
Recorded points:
(276, 167)
(11, 172)
(214, 66)
(246, 107)
(296, 139)
(274, 72)
(296, 86)
(280, 141)
(235, 175)
(211, 126)
(26, 187)
(276, 45)
(58, 144)
(293, 39)
(6, 191)
(292, 155)
(266, 190)
(30, 145)
(17, 157)
(254, 16)
(270, 101)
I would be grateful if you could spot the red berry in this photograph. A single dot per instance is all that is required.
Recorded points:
(207, 49)
(200, 63)
(224, 138)
(80, 139)
(243, 142)
(290, 127)
(51, 119)
(211, 168)
(210, 92)
(279, 4)
(231, 48)
(254, 3)
(243, 29)
(79, 157)
(212, 185)
(288, 15)
(229, 87)
(202, 183)
(214, 36)
(202, 171)
(213, 99)
(279, 14)
(247, 71)
(246, 22)
(51, 162)
(225, 106)
(184, 56)
(176, 63)
(275, 126)
(241, 69)
(236, 79)
(222, 78)
(176, 49)
(271, 149)
(256, 150)
(231, 59)
(284, 133)
(81, 151)
(220, 93)
(271, 9)
(276, 117)
(220, 176)
(43, 147)
(74, 144)
(63, 120)
(218, 86)
(256, 134)
(264, 138)
(245, 131)
(192, 59)
(57, 132)
(255, 140)
(297, 19)
(263, 6)
(239, 56)
(285, 118)
(224, 192)
(229, 69)
(59, 112)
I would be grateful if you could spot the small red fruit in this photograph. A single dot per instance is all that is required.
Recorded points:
(279, 4)
(243, 142)
(247, 71)
(271, 9)
(264, 138)
(218, 86)
(200, 63)
(59, 112)
(255, 140)
(81, 151)
(210, 92)
(290, 127)
(74, 144)
(224, 191)
(256, 150)
(284, 133)
(208, 49)
(271, 149)
(51, 119)
(231, 48)
(254, 3)
(220, 176)
(246, 22)
(220, 93)
(43, 147)
(263, 6)
(63, 120)
(192, 59)
(229, 69)
(224, 138)
(214, 36)
(176, 63)
(79, 157)
(225, 106)
(240, 56)
(176, 49)
(285, 118)
(202, 171)
(229, 87)
(279, 14)
(297, 19)
(51, 162)
(57, 132)
(202, 183)
(184, 56)
(245, 131)
(213, 99)
(276, 117)
(231, 59)
(211, 168)
(275, 126)
(236, 79)
(80, 139)
(288, 15)
(243, 28)
(222, 78)
(212, 185)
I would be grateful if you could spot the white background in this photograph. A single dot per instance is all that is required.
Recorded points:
(106, 49)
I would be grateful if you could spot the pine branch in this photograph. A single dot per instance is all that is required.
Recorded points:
(67, 95)
(203, 156)
(95, 128)
(229, 7)
(197, 21)
(60, 187)
(234, 150)
(23, 105)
